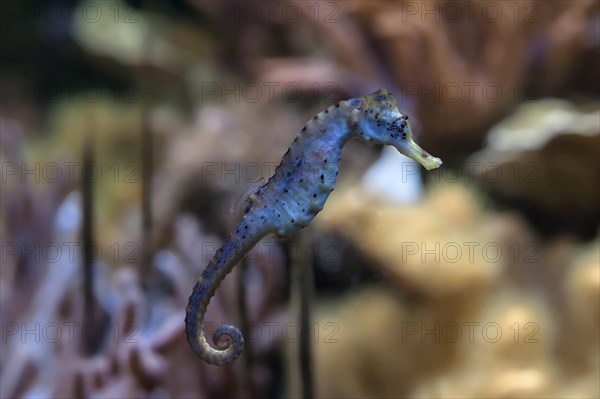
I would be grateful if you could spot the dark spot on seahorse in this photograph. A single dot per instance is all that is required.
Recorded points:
(325, 160)
(262, 217)
(299, 163)
(237, 231)
(315, 118)
(304, 128)
(337, 105)
(322, 178)
(406, 117)
(243, 237)
(289, 174)
(286, 190)
(246, 227)
(403, 135)
(278, 215)
(326, 111)
(301, 180)
(315, 195)
(291, 220)
(303, 210)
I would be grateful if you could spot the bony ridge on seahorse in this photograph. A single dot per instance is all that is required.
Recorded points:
(293, 196)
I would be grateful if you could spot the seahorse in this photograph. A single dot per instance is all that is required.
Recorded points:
(293, 196)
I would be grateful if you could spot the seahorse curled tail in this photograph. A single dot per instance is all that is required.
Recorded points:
(232, 251)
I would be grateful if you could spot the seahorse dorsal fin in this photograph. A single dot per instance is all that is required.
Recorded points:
(239, 206)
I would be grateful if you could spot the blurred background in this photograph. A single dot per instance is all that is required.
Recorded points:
(130, 129)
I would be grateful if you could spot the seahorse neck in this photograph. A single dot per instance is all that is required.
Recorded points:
(333, 125)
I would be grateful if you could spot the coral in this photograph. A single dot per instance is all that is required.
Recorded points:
(544, 145)
(468, 326)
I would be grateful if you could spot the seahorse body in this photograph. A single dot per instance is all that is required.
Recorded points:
(294, 195)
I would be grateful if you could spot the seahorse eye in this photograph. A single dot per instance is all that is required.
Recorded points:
(399, 124)
(396, 125)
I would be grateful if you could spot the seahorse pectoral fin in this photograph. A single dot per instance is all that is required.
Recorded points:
(239, 207)
(355, 116)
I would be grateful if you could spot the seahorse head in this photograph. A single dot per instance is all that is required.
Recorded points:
(377, 120)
